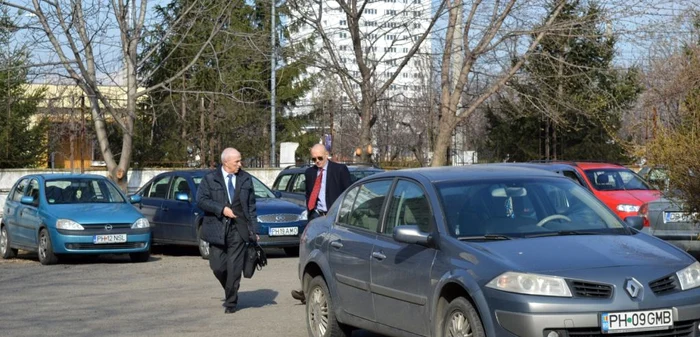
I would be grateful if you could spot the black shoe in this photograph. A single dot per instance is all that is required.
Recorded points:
(299, 295)
(230, 310)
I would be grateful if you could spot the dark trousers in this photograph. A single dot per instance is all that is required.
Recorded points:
(314, 214)
(227, 264)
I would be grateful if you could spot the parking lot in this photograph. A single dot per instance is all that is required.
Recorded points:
(173, 294)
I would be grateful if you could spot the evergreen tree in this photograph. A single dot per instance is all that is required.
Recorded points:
(22, 131)
(568, 99)
(224, 100)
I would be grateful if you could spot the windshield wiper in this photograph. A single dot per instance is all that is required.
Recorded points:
(561, 233)
(489, 237)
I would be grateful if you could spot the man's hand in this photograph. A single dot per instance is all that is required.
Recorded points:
(229, 213)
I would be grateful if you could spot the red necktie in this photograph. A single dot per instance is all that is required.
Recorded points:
(317, 189)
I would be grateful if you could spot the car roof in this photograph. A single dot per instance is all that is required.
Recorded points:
(56, 176)
(469, 172)
(191, 173)
(351, 168)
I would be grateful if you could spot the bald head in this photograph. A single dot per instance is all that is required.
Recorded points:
(319, 155)
(231, 160)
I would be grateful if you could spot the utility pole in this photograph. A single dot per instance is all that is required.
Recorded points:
(272, 85)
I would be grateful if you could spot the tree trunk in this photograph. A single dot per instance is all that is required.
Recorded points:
(444, 137)
(366, 132)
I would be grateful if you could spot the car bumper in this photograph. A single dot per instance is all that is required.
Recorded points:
(83, 244)
(278, 241)
(686, 321)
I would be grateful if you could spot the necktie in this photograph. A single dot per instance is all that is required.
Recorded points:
(231, 189)
(317, 189)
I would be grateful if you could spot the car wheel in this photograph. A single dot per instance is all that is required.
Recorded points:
(203, 245)
(46, 254)
(320, 315)
(461, 319)
(291, 251)
(140, 257)
(6, 251)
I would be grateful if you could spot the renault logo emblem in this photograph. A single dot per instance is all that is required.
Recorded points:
(108, 227)
(633, 287)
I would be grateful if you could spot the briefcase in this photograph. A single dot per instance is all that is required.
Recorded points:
(255, 258)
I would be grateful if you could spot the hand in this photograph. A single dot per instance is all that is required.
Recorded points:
(257, 238)
(229, 213)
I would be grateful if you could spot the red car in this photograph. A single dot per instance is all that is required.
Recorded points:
(617, 186)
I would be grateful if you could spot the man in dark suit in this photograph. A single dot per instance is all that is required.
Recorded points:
(227, 198)
(325, 182)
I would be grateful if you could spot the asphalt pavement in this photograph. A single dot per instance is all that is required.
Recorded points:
(173, 294)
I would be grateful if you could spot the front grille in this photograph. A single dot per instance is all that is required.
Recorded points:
(680, 329)
(278, 218)
(91, 246)
(665, 285)
(591, 290)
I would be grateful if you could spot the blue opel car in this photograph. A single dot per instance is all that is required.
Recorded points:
(492, 251)
(61, 214)
(168, 201)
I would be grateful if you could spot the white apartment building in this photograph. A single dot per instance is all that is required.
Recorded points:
(389, 29)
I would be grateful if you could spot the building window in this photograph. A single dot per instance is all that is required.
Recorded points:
(390, 49)
(343, 35)
(370, 11)
(371, 23)
(416, 25)
(405, 50)
(390, 37)
(416, 14)
(391, 12)
(343, 22)
(344, 48)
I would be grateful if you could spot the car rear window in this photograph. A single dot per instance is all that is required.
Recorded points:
(616, 180)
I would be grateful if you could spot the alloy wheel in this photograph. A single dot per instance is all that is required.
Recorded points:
(318, 313)
(203, 247)
(459, 325)
(3, 241)
(43, 246)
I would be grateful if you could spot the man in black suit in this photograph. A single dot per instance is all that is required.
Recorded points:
(325, 182)
(227, 198)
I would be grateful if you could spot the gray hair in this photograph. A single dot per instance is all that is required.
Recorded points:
(228, 153)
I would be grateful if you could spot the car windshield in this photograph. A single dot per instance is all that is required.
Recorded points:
(524, 207)
(82, 190)
(261, 190)
(616, 180)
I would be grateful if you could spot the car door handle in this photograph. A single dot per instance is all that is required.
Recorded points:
(378, 255)
(336, 244)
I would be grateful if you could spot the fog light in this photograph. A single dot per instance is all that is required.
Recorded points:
(553, 334)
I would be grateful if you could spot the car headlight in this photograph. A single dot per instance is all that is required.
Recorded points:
(689, 277)
(627, 208)
(304, 215)
(259, 220)
(141, 223)
(530, 284)
(68, 225)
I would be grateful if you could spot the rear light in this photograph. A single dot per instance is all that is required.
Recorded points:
(644, 212)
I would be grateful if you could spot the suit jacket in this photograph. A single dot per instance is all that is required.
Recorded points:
(337, 181)
(212, 197)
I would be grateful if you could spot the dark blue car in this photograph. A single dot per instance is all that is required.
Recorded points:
(168, 201)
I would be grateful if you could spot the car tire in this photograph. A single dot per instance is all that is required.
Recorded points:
(140, 257)
(291, 251)
(202, 245)
(45, 249)
(6, 251)
(461, 319)
(320, 312)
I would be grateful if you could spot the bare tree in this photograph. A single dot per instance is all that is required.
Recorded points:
(79, 34)
(350, 49)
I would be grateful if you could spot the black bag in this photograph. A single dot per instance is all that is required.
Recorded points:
(255, 258)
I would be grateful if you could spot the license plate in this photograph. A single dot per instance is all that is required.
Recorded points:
(109, 238)
(284, 231)
(617, 322)
(678, 217)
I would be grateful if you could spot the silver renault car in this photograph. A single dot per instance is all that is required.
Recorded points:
(490, 251)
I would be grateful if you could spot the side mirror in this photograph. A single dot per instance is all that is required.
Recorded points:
(27, 200)
(277, 194)
(411, 234)
(134, 198)
(636, 222)
(182, 196)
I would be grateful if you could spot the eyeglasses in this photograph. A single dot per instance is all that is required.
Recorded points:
(315, 159)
